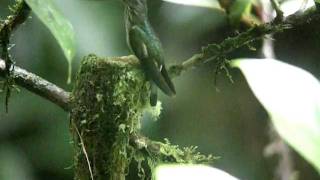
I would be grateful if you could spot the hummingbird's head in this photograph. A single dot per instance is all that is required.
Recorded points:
(138, 6)
(136, 10)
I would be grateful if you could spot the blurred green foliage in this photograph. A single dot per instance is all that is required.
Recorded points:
(230, 123)
(59, 26)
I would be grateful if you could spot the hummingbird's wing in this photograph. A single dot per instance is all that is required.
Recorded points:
(141, 45)
(155, 44)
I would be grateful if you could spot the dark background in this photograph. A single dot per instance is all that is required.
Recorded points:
(230, 123)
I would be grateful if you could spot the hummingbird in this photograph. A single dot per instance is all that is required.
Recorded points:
(146, 46)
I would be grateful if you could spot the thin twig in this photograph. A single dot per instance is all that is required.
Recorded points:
(20, 12)
(84, 151)
(38, 86)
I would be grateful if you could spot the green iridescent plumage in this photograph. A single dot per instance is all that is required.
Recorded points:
(147, 47)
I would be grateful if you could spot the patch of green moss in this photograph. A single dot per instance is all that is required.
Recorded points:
(108, 100)
(166, 153)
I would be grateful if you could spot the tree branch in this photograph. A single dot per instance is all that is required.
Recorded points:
(20, 13)
(212, 52)
(38, 86)
(218, 52)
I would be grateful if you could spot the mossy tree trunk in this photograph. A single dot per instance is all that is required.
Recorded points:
(108, 100)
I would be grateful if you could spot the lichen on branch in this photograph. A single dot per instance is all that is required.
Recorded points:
(217, 52)
(155, 153)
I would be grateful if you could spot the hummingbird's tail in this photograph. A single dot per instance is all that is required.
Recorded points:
(153, 94)
(168, 80)
(159, 76)
(163, 82)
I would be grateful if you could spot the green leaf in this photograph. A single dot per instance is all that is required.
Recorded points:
(59, 26)
(184, 171)
(14, 164)
(292, 6)
(214, 4)
(291, 96)
(238, 9)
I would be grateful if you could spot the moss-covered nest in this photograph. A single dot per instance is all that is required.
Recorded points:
(108, 100)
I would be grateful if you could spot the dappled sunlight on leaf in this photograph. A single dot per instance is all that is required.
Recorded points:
(190, 172)
(292, 6)
(291, 95)
(201, 3)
